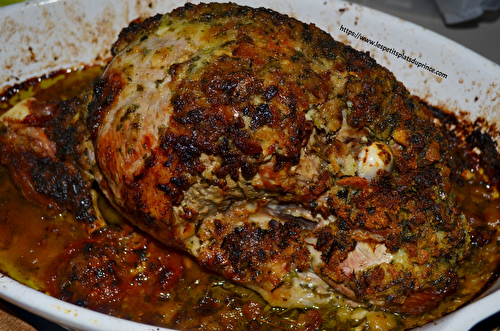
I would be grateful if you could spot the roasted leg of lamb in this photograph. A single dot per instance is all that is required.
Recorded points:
(278, 157)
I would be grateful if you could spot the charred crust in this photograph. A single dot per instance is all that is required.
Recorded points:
(67, 134)
(334, 244)
(259, 87)
(65, 186)
(248, 248)
(137, 30)
(185, 147)
(51, 174)
(107, 266)
(489, 153)
(261, 115)
(105, 90)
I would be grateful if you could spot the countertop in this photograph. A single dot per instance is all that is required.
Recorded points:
(481, 35)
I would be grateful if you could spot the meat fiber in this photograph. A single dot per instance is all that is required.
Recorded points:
(275, 155)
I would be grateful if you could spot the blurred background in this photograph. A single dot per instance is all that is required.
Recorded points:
(472, 23)
(468, 22)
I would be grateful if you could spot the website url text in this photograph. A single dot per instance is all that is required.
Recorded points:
(393, 51)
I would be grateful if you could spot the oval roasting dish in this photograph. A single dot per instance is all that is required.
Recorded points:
(39, 37)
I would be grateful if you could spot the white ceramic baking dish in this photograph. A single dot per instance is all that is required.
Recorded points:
(38, 37)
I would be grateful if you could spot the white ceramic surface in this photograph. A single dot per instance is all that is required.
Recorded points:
(38, 37)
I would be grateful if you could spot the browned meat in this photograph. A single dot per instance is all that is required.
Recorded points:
(44, 146)
(277, 156)
(110, 268)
